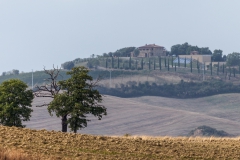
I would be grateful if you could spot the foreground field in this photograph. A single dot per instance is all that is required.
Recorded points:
(42, 144)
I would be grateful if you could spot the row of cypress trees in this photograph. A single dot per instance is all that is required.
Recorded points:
(134, 64)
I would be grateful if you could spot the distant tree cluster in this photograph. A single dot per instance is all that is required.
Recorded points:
(180, 90)
(233, 59)
(186, 49)
(12, 72)
(68, 65)
(123, 52)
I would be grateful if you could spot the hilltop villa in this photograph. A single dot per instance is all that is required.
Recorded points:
(150, 50)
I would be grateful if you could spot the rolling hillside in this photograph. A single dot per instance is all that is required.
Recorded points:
(153, 116)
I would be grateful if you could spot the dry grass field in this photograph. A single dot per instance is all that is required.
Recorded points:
(42, 144)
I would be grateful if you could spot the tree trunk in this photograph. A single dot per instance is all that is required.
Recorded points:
(64, 123)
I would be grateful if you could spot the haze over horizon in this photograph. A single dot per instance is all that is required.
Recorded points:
(35, 34)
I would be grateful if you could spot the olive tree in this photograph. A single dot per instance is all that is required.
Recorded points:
(15, 101)
(77, 99)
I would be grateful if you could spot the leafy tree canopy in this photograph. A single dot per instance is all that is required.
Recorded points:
(93, 62)
(217, 55)
(233, 59)
(123, 52)
(15, 101)
(78, 99)
(186, 49)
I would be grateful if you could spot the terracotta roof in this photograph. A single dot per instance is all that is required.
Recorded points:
(151, 46)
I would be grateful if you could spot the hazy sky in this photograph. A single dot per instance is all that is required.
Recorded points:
(41, 33)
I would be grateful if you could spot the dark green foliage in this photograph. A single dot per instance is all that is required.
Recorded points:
(185, 49)
(130, 62)
(142, 63)
(15, 101)
(178, 61)
(168, 65)
(233, 59)
(172, 61)
(154, 65)
(217, 55)
(78, 99)
(68, 65)
(160, 63)
(191, 64)
(217, 68)
(93, 63)
(15, 71)
(165, 62)
(198, 67)
(185, 63)
(106, 63)
(118, 63)
(223, 68)
(180, 90)
(149, 64)
(124, 52)
(112, 60)
(211, 67)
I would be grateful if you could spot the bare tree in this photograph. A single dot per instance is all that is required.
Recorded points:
(51, 87)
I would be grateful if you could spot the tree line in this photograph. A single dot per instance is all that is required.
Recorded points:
(180, 90)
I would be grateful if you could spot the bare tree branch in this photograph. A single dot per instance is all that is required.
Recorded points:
(51, 88)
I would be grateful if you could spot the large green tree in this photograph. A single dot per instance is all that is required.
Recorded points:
(78, 99)
(15, 101)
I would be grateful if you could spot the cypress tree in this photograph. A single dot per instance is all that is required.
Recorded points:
(118, 62)
(107, 63)
(223, 68)
(160, 63)
(230, 69)
(154, 65)
(172, 61)
(168, 64)
(178, 61)
(191, 64)
(136, 64)
(149, 65)
(211, 67)
(130, 63)
(112, 62)
(185, 62)
(198, 67)
(204, 67)
(218, 68)
(142, 64)
(165, 62)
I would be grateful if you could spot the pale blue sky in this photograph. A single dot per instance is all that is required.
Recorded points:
(41, 33)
